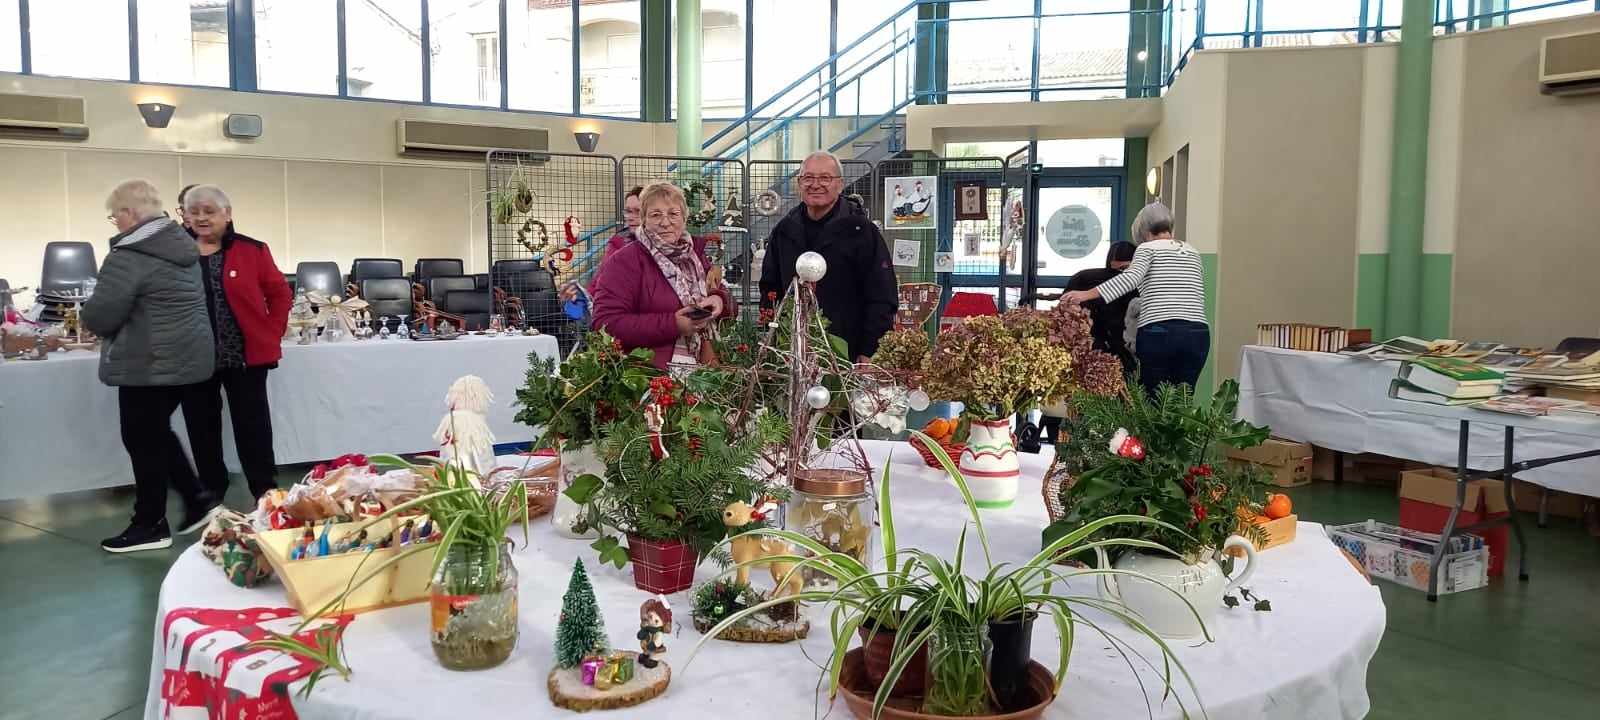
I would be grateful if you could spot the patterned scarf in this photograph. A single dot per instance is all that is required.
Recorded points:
(680, 265)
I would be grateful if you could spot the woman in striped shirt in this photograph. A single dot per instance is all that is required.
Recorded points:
(1174, 338)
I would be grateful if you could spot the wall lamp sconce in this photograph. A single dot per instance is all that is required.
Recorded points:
(587, 141)
(156, 115)
(1152, 182)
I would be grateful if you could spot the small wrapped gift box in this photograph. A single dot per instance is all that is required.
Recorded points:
(619, 667)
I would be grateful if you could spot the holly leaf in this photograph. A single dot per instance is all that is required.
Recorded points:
(583, 488)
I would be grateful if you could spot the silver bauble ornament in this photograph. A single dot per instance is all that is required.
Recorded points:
(810, 267)
(918, 400)
(818, 397)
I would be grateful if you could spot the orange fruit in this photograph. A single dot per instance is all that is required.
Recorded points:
(1278, 506)
(939, 429)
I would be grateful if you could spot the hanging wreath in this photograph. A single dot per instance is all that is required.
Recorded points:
(702, 204)
(768, 203)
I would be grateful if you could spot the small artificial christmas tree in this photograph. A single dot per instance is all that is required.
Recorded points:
(581, 631)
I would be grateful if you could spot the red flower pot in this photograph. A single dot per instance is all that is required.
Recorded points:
(661, 566)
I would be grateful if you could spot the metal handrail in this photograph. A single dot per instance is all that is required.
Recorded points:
(825, 64)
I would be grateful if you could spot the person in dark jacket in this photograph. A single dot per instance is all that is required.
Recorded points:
(859, 295)
(149, 310)
(1107, 321)
(248, 302)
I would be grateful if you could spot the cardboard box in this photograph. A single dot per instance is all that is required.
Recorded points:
(1405, 556)
(1427, 496)
(1561, 504)
(1288, 462)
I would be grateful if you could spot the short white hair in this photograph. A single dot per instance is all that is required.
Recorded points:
(203, 193)
(138, 196)
(838, 166)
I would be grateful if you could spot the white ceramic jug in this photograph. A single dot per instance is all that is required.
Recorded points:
(1162, 609)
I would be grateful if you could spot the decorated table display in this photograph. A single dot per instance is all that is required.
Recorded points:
(997, 367)
(1309, 655)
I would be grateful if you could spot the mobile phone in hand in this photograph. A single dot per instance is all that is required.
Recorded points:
(698, 313)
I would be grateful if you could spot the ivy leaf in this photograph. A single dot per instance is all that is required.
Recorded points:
(583, 488)
(1263, 606)
(1230, 601)
(610, 551)
(664, 509)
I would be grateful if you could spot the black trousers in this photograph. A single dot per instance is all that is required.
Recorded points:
(252, 429)
(1172, 352)
(146, 418)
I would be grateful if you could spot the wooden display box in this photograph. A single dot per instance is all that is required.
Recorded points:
(1279, 532)
(313, 583)
(1562, 504)
(1289, 462)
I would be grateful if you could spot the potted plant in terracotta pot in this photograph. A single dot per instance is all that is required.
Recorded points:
(569, 403)
(670, 471)
(942, 610)
(1161, 456)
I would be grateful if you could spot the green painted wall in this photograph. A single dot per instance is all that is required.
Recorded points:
(1438, 271)
(1135, 154)
(1372, 270)
(1208, 268)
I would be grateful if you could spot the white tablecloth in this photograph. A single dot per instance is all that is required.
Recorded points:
(59, 431)
(1305, 660)
(1342, 403)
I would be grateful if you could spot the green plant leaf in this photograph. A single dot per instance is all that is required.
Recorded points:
(583, 488)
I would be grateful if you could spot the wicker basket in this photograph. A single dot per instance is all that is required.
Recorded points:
(951, 449)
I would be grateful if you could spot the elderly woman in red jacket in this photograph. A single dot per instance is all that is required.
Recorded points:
(248, 300)
(653, 293)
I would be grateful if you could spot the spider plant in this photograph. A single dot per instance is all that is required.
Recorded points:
(926, 596)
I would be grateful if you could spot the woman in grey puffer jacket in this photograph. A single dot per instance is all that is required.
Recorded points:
(149, 310)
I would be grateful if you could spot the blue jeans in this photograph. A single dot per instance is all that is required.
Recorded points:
(1172, 351)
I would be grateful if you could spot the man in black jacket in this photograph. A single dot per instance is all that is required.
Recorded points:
(859, 295)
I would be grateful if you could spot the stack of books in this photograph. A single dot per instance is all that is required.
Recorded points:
(1529, 406)
(1445, 381)
(1400, 348)
(1311, 338)
(1571, 371)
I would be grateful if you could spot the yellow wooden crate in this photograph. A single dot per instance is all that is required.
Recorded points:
(1279, 532)
(314, 582)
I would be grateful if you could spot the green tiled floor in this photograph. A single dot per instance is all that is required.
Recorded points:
(76, 641)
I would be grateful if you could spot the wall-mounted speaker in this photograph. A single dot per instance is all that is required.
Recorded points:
(242, 126)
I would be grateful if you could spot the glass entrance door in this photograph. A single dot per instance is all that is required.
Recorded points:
(1080, 211)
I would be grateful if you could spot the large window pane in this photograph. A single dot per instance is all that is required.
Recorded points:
(879, 72)
(465, 52)
(383, 49)
(297, 46)
(722, 62)
(1518, 15)
(991, 54)
(80, 38)
(183, 42)
(10, 38)
(791, 40)
(1083, 45)
(608, 44)
(540, 39)
(1282, 20)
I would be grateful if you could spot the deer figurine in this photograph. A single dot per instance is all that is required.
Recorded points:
(747, 548)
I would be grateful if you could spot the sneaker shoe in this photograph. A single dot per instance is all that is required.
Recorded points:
(139, 537)
(196, 521)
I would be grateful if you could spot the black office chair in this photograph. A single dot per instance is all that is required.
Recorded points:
(482, 279)
(364, 269)
(5, 293)
(473, 306)
(322, 277)
(439, 287)
(66, 266)
(387, 297)
(434, 267)
(293, 280)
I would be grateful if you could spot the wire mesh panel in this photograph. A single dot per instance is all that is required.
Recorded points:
(779, 181)
(718, 204)
(942, 218)
(550, 216)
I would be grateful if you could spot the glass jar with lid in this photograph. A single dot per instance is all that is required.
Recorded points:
(833, 507)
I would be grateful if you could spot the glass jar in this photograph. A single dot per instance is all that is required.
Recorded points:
(474, 600)
(833, 507)
(958, 669)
